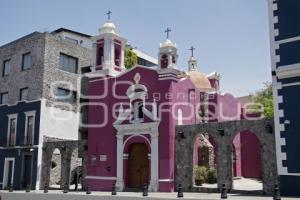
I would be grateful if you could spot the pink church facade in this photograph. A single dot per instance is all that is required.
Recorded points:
(133, 114)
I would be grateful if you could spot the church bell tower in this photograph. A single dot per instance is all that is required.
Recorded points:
(167, 55)
(108, 48)
(192, 61)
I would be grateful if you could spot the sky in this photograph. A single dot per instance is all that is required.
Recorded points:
(230, 36)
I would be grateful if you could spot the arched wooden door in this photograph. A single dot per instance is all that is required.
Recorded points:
(138, 165)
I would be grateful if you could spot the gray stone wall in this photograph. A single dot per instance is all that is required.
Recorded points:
(17, 79)
(185, 137)
(55, 171)
(55, 77)
(69, 151)
(45, 49)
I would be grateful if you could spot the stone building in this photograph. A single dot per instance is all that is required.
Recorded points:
(39, 96)
(284, 20)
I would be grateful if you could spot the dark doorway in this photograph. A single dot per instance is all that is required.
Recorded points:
(10, 172)
(138, 165)
(27, 171)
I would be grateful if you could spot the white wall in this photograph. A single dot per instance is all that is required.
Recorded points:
(58, 123)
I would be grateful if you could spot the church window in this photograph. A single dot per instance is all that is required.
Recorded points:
(140, 110)
(100, 54)
(173, 59)
(117, 55)
(164, 61)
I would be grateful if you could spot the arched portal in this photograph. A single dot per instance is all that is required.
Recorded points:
(55, 170)
(138, 165)
(204, 161)
(246, 162)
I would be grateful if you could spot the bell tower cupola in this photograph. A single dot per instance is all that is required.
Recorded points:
(192, 61)
(167, 55)
(108, 49)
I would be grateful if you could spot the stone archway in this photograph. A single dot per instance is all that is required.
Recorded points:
(223, 134)
(66, 147)
(247, 161)
(55, 169)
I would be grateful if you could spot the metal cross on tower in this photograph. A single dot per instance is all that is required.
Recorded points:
(108, 14)
(168, 31)
(192, 50)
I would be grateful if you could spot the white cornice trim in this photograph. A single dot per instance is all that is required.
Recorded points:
(137, 129)
(293, 39)
(288, 71)
(100, 177)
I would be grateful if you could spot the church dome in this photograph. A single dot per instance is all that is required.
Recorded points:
(200, 80)
(108, 27)
(167, 43)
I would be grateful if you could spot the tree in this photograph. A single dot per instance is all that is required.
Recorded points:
(264, 97)
(130, 58)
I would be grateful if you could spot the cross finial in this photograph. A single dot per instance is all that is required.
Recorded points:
(192, 50)
(168, 31)
(108, 14)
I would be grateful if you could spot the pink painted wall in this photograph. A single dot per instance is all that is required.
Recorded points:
(251, 155)
(102, 140)
(248, 155)
(237, 164)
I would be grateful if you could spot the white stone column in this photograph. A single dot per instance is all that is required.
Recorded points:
(120, 181)
(153, 187)
(106, 53)
(170, 61)
(122, 56)
(112, 53)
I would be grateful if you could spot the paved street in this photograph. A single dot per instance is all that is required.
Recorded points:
(57, 195)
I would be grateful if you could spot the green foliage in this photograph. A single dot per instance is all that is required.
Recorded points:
(264, 101)
(211, 176)
(130, 58)
(203, 175)
(200, 175)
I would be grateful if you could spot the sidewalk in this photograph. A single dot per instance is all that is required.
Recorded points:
(58, 195)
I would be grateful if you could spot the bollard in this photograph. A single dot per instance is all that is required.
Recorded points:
(10, 188)
(66, 190)
(88, 189)
(46, 188)
(114, 190)
(28, 187)
(223, 192)
(179, 192)
(276, 193)
(145, 190)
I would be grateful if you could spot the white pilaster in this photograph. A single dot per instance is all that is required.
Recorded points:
(154, 163)
(120, 181)
(170, 60)
(122, 56)
(112, 53)
(106, 52)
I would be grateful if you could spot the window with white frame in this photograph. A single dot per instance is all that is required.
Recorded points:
(29, 128)
(12, 129)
